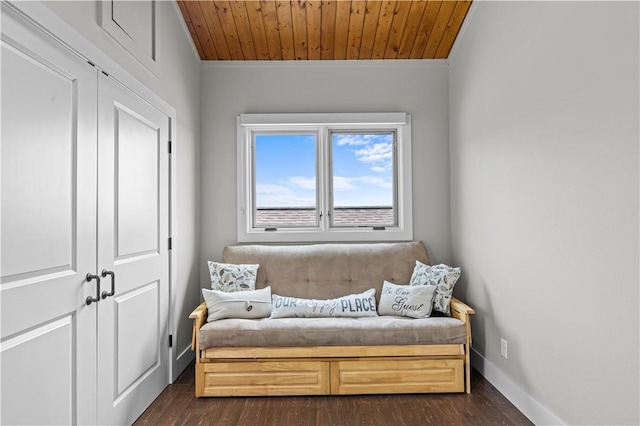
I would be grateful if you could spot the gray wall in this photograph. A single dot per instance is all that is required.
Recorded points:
(544, 200)
(178, 83)
(418, 88)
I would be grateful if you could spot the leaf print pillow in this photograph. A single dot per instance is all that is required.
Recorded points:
(228, 277)
(442, 276)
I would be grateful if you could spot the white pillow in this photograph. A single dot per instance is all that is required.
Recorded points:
(406, 301)
(229, 277)
(239, 304)
(442, 276)
(352, 305)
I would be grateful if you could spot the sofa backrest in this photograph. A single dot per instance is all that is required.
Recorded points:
(326, 271)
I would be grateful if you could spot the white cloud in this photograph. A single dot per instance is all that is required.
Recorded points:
(362, 191)
(380, 152)
(375, 150)
(379, 156)
(341, 183)
(355, 191)
(280, 196)
(302, 182)
(354, 139)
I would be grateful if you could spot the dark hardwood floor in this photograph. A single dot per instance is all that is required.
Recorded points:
(177, 405)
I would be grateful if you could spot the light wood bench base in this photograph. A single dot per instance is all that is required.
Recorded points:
(332, 370)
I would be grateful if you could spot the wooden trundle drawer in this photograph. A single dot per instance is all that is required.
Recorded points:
(257, 378)
(382, 376)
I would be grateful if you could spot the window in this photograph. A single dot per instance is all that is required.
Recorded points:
(324, 177)
(284, 180)
(363, 166)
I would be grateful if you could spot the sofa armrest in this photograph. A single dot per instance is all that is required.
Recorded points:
(463, 312)
(199, 317)
(200, 312)
(460, 310)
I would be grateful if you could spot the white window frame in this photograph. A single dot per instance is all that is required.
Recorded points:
(248, 124)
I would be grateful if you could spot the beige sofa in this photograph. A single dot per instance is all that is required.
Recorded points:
(321, 356)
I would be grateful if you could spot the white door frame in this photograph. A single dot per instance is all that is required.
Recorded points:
(55, 27)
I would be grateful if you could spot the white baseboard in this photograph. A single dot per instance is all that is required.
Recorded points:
(181, 362)
(524, 402)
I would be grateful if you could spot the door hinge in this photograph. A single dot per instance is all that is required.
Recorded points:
(169, 143)
(171, 340)
(169, 243)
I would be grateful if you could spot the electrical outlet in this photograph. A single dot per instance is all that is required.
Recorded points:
(503, 348)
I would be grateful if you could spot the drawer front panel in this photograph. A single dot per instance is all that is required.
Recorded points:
(266, 378)
(396, 376)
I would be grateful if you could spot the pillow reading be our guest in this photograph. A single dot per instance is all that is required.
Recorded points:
(229, 277)
(353, 305)
(442, 276)
(238, 304)
(406, 301)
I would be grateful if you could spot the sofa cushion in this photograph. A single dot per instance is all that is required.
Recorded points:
(327, 271)
(332, 332)
(352, 305)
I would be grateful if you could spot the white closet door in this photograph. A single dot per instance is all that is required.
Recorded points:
(48, 209)
(133, 227)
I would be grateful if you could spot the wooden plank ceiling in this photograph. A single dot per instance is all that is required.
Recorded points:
(323, 29)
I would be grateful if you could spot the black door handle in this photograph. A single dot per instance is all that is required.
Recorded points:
(97, 298)
(113, 283)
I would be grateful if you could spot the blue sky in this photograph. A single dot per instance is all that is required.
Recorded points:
(285, 170)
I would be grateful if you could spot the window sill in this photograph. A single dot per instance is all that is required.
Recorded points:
(334, 235)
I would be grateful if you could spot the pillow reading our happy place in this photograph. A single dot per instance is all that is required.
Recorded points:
(229, 277)
(239, 304)
(353, 305)
(442, 276)
(406, 301)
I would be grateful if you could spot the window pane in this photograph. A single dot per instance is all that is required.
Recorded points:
(363, 179)
(285, 180)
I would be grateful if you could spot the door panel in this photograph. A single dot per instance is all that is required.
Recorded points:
(49, 380)
(140, 310)
(133, 229)
(48, 208)
(37, 220)
(137, 184)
